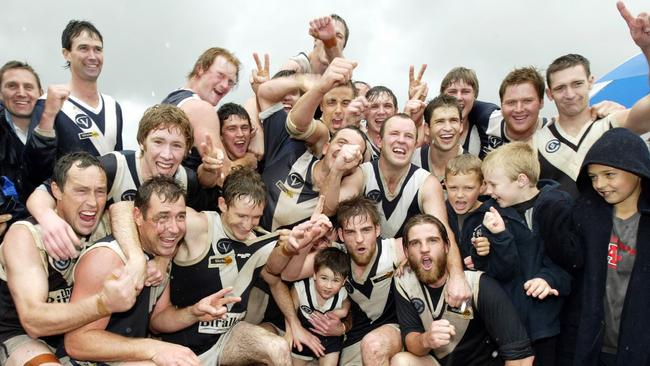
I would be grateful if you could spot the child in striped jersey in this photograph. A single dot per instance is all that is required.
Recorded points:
(323, 292)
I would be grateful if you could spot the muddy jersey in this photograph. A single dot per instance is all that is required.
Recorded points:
(395, 210)
(371, 295)
(225, 262)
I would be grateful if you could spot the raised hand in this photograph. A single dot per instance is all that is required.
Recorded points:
(212, 157)
(338, 73)
(493, 221)
(261, 74)
(214, 306)
(355, 111)
(416, 105)
(414, 82)
(56, 95)
(639, 26)
(439, 334)
(323, 29)
(347, 158)
(482, 245)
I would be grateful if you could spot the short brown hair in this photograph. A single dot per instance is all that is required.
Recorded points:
(382, 129)
(334, 259)
(514, 158)
(357, 206)
(167, 116)
(565, 62)
(523, 75)
(464, 164)
(422, 219)
(244, 182)
(458, 74)
(442, 100)
(207, 59)
(166, 188)
(11, 65)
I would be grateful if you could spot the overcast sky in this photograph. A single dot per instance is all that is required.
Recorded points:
(151, 45)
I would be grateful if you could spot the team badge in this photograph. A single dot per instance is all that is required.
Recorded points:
(553, 146)
(224, 246)
(418, 304)
(495, 141)
(306, 309)
(129, 195)
(83, 121)
(295, 181)
(374, 195)
(61, 265)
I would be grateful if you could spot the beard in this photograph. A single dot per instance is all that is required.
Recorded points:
(363, 259)
(437, 271)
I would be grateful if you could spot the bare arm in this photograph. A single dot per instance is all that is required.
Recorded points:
(433, 203)
(342, 313)
(93, 341)
(126, 234)
(204, 120)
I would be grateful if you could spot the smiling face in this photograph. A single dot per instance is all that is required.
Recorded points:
(445, 128)
(398, 141)
(241, 216)
(81, 201)
(19, 92)
(163, 226)
(569, 89)
(381, 108)
(333, 107)
(426, 252)
(616, 186)
(162, 152)
(86, 56)
(520, 107)
(327, 282)
(360, 237)
(236, 136)
(214, 83)
(505, 191)
(465, 95)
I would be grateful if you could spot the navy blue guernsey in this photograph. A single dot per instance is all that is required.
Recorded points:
(479, 120)
(225, 262)
(78, 127)
(177, 98)
(287, 173)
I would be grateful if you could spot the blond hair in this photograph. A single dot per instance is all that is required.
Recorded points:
(464, 164)
(514, 158)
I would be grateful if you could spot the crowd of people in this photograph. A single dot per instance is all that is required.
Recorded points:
(317, 223)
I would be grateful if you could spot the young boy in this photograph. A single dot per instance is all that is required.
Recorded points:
(464, 184)
(609, 241)
(511, 221)
(324, 292)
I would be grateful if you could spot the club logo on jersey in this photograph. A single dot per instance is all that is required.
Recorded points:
(295, 181)
(418, 304)
(306, 309)
(495, 141)
(224, 246)
(61, 265)
(129, 195)
(348, 287)
(83, 121)
(553, 146)
(374, 195)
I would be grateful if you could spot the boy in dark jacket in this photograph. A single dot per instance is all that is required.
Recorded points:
(511, 220)
(610, 241)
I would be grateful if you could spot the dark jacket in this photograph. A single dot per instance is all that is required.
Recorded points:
(591, 228)
(11, 150)
(518, 255)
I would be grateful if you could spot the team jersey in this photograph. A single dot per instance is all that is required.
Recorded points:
(489, 324)
(59, 281)
(497, 134)
(287, 173)
(371, 295)
(124, 177)
(77, 127)
(421, 160)
(225, 262)
(479, 119)
(395, 210)
(561, 155)
(178, 98)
